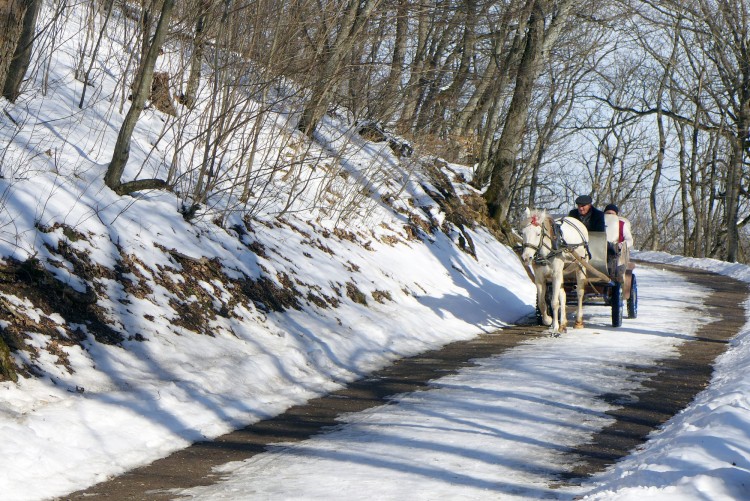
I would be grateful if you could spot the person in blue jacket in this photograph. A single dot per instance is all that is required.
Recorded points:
(591, 217)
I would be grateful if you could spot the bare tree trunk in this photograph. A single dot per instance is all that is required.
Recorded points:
(652, 201)
(499, 194)
(695, 243)
(487, 96)
(559, 108)
(503, 160)
(196, 58)
(432, 78)
(390, 99)
(85, 76)
(684, 164)
(710, 206)
(449, 96)
(355, 19)
(694, 246)
(414, 86)
(440, 59)
(22, 55)
(121, 153)
(732, 195)
(11, 24)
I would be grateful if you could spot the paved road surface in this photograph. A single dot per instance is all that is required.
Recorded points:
(671, 386)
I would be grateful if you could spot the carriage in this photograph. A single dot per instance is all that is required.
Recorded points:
(611, 280)
(609, 275)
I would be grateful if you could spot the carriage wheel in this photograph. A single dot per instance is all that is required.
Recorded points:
(616, 302)
(633, 299)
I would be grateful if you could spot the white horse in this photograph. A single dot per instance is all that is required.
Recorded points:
(551, 259)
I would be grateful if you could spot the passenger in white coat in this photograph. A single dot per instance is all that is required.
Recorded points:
(624, 233)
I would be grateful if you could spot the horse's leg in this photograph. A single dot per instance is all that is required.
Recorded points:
(580, 288)
(541, 292)
(556, 286)
(563, 312)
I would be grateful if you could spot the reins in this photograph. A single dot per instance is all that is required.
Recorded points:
(543, 259)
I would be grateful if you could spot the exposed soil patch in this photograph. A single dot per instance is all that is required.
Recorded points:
(30, 298)
(673, 384)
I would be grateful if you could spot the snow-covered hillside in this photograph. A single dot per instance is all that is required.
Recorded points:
(154, 331)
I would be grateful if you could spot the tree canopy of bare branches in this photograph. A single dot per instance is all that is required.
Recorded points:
(644, 104)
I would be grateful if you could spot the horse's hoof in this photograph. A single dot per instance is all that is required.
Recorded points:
(579, 325)
(563, 329)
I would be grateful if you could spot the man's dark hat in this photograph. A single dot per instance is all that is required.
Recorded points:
(612, 207)
(584, 200)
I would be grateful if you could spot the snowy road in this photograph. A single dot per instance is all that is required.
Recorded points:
(500, 429)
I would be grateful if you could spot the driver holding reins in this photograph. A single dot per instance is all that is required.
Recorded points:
(591, 217)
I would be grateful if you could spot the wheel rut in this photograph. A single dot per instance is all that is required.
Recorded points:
(670, 387)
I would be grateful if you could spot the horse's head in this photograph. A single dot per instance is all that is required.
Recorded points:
(533, 233)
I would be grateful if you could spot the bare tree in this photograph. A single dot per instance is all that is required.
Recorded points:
(121, 153)
(538, 41)
(332, 51)
(94, 53)
(715, 53)
(391, 96)
(15, 48)
(196, 56)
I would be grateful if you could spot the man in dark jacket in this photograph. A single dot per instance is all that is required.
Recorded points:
(591, 217)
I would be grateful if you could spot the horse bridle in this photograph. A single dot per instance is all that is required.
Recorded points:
(539, 258)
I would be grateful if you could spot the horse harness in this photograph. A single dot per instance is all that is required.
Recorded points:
(558, 245)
